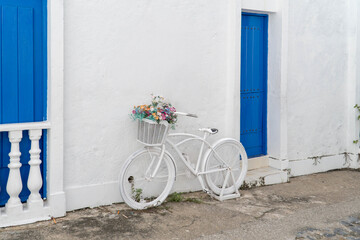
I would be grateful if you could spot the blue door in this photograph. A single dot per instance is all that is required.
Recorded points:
(253, 90)
(22, 80)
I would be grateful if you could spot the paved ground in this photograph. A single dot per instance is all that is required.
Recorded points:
(321, 206)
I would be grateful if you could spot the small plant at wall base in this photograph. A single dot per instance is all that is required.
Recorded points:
(137, 193)
(158, 110)
(358, 108)
(178, 197)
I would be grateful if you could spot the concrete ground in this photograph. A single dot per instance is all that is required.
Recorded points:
(320, 206)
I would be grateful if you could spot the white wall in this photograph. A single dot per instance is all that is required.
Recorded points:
(321, 85)
(317, 78)
(119, 52)
(116, 54)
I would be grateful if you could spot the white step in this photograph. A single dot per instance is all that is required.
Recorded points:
(264, 176)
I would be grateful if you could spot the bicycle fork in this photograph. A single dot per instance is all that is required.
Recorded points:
(153, 159)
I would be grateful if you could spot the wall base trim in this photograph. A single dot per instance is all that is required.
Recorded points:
(92, 195)
(108, 193)
(57, 204)
(317, 165)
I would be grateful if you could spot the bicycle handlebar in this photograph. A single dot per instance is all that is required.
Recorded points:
(187, 114)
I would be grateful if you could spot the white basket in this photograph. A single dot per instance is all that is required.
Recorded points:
(152, 133)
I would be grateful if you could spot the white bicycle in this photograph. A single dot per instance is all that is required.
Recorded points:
(148, 175)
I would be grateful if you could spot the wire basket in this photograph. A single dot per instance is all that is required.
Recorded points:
(152, 133)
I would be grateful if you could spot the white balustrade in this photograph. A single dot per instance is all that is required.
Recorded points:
(35, 181)
(14, 184)
(16, 212)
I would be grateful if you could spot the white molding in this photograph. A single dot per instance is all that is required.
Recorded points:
(309, 166)
(278, 163)
(27, 216)
(233, 69)
(265, 6)
(92, 195)
(107, 193)
(277, 87)
(55, 159)
(58, 200)
(284, 79)
(357, 96)
(351, 79)
(24, 126)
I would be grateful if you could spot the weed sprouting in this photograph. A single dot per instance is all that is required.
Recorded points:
(175, 197)
(178, 197)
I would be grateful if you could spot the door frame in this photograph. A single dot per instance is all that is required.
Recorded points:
(265, 82)
(278, 25)
(55, 107)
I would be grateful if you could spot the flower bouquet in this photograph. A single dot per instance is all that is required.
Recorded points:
(154, 121)
(159, 110)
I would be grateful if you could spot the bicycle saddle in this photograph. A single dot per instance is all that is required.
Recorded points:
(209, 130)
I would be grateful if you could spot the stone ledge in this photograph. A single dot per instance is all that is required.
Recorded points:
(264, 176)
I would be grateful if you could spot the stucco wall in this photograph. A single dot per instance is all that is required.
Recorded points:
(321, 85)
(119, 52)
(317, 78)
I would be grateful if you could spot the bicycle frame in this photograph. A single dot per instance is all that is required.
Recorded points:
(190, 137)
(196, 171)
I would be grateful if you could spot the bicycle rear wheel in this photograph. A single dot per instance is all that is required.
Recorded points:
(227, 153)
(138, 188)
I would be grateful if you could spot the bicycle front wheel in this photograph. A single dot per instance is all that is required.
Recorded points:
(139, 187)
(230, 154)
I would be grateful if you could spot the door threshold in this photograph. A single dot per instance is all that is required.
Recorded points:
(258, 162)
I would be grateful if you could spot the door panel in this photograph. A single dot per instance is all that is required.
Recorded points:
(253, 90)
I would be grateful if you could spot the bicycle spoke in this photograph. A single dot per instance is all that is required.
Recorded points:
(164, 179)
(151, 163)
(224, 177)
(227, 154)
(214, 168)
(138, 189)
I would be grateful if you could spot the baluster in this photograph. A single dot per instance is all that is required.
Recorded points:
(35, 180)
(14, 184)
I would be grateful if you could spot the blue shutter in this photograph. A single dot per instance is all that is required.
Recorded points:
(23, 80)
